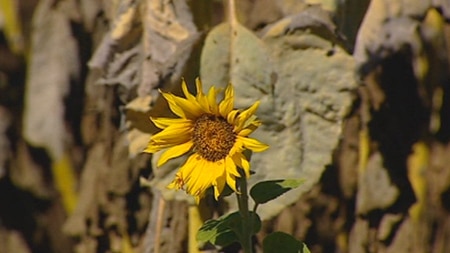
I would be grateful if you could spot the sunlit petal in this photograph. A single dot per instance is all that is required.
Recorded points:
(240, 160)
(188, 109)
(245, 115)
(219, 184)
(253, 144)
(165, 122)
(231, 182)
(250, 128)
(175, 151)
(212, 100)
(186, 93)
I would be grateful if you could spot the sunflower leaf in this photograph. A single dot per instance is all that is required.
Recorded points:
(282, 242)
(218, 232)
(265, 191)
(226, 229)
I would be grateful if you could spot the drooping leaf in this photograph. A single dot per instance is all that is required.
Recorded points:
(265, 191)
(282, 242)
(305, 84)
(234, 54)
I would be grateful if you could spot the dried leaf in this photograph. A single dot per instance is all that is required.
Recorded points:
(376, 191)
(53, 64)
(166, 34)
(389, 26)
(234, 54)
(311, 17)
(305, 86)
(149, 44)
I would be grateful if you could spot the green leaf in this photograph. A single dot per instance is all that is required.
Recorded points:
(217, 232)
(282, 242)
(226, 229)
(265, 191)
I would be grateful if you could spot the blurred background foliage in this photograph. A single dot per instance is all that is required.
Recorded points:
(354, 98)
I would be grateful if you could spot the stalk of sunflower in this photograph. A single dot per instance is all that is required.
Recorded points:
(214, 133)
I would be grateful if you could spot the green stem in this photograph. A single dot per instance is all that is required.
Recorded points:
(246, 239)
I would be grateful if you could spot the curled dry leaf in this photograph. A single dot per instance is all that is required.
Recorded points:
(147, 46)
(149, 43)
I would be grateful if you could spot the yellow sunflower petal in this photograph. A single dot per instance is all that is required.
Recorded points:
(253, 144)
(174, 133)
(188, 109)
(188, 166)
(199, 181)
(194, 175)
(229, 92)
(165, 122)
(174, 107)
(177, 183)
(230, 166)
(219, 184)
(175, 151)
(212, 100)
(226, 105)
(231, 182)
(186, 92)
(241, 161)
(198, 85)
(245, 115)
(250, 128)
(231, 117)
(202, 100)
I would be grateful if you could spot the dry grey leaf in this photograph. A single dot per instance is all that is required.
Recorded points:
(53, 64)
(376, 191)
(390, 25)
(311, 97)
(234, 54)
(312, 17)
(166, 34)
(149, 43)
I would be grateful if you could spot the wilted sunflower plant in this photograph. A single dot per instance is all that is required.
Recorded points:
(215, 135)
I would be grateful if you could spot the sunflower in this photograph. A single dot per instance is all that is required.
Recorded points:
(213, 133)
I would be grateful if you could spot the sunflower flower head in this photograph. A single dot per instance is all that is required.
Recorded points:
(214, 134)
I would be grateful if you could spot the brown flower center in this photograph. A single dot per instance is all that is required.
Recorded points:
(213, 137)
